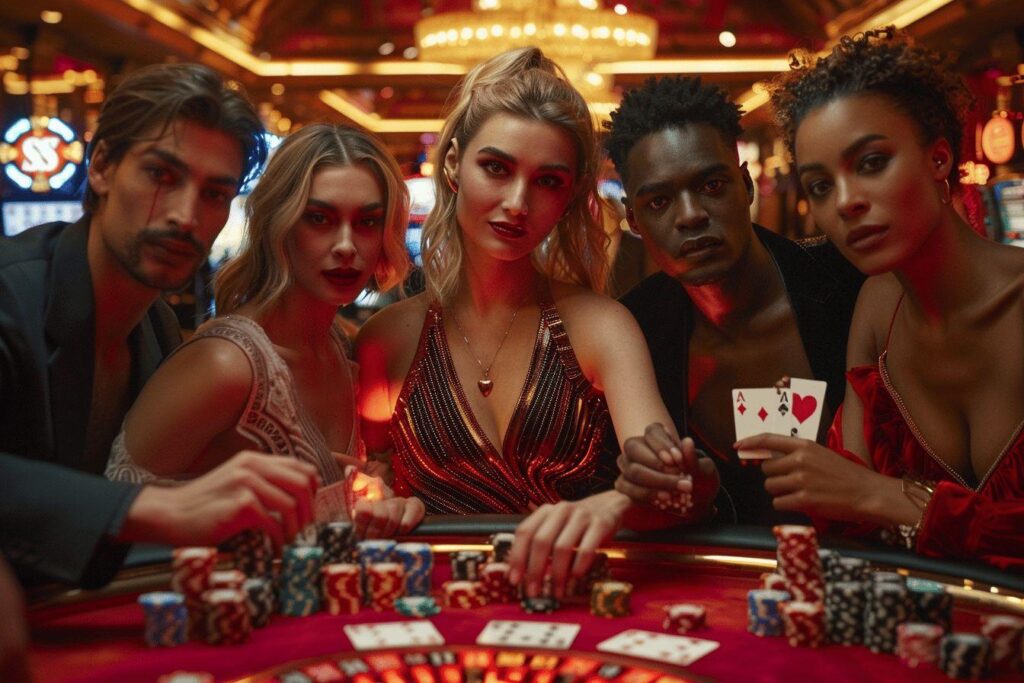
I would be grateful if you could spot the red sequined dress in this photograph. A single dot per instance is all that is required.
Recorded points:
(981, 519)
(552, 449)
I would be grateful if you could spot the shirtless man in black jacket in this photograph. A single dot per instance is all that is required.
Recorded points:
(735, 306)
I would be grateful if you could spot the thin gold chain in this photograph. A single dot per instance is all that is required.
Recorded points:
(487, 370)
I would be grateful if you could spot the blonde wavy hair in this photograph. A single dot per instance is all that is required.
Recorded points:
(527, 84)
(261, 273)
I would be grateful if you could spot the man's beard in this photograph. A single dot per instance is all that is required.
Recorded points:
(132, 261)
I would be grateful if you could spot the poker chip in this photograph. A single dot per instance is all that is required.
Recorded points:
(190, 575)
(417, 606)
(252, 552)
(259, 597)
(764, 612)
(466, 564)
(547, 588)
(342, 588)
(886, 609)
(494, 577)
(774, 582)
(683, 617)
(675, 502)
(803, 623)
(917, 643)
(385, 584)
(845, 569)
(186, 677)
(964, 655)
(599, 570)
(377, 550)
(338, 541)
(166, 619)
(799, 562)
(299, 590)
(1006, 634)
(464, 594)
(930, 603)
(828, 558)
(845, 604)
(227, 617)
(539, 605)
(610, 599)
(417, 560)
(501, 546)
(229, 578)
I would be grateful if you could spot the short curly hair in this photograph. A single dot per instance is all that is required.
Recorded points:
(884, 61)
(669, 102)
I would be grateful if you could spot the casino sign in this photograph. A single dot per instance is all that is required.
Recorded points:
(40, 153)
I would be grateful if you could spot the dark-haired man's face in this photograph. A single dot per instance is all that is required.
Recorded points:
(165, 201)
(689, 199)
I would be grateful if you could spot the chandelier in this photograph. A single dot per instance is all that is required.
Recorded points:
(575, 33)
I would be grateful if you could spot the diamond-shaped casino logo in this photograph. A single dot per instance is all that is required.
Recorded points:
(762, 414)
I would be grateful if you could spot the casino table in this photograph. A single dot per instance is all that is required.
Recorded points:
(98, 636)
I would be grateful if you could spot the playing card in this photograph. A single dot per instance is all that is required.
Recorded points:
(329, 503)
(660, 647)
(754, 412)
(393, 634)
(808, 399)
(550, 635)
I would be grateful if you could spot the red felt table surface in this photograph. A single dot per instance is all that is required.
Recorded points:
(104, 642)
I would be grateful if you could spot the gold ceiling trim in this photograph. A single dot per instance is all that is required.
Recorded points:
(374, 123)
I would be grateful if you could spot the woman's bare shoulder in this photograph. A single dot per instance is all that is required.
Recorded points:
(396, 325)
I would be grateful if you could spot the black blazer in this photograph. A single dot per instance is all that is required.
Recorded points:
(54, 520)
(822, 288)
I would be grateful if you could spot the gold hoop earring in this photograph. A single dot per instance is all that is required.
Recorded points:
(452, 185)
(947, 192)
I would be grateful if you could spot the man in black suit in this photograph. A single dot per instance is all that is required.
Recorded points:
(735, 306)
(82, 327)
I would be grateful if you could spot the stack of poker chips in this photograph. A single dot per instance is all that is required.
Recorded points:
(765, 612)
(799, 562)
(259, 597)
(252, 551)
(371, 552)
(466, 565)
(190, 575)
(829, 559)
(227, 617)
(501, 546)
(299, 595)
(166, 618)
(610, 599)
(539, 605)
(464, 594)
(494, 577)
(385, 584)
(965, 655)
(547, 588)
(338, 541)
(417, 606)
(774, 582)
(845, 604)
(847, 569)
(917, 643)
(417, 560)
(804, 623)
(887, 608)
(342, 589)
(930, 603)
(1006, 634)
(683, 617)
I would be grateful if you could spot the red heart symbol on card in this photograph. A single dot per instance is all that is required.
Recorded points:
(803, 407)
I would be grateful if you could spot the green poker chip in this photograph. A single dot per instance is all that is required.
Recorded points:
(417, 606)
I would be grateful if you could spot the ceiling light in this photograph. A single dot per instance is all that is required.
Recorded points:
(277, 89)
(410, 53)
(621, 9)
(727, 38)
(50, 16)
(386, 48)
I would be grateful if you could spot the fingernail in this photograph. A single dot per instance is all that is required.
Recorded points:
(685, 485)
(676, 452)
(664, 495)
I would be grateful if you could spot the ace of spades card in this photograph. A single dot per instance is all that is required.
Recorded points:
(798, 408)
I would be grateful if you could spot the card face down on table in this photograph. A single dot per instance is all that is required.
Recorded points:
(795, 412)
(550, 635)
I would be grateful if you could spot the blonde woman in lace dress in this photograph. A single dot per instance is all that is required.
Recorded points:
(274, 369)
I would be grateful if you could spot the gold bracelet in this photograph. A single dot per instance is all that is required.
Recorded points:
(912, 489)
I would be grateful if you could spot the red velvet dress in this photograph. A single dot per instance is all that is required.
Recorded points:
(985, 521)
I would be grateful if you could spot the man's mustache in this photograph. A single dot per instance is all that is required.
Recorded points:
(156, 234)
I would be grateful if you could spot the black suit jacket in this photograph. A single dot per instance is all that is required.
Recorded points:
(55, 513)
(822, 288)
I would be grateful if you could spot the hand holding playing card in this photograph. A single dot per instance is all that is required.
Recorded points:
(793, 407)
(657, 469)
(811, 478)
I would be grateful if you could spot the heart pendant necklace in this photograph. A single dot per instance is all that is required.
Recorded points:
(485, 384)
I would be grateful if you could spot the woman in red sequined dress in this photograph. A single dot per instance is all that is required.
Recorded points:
(493, 389)
(930, 444)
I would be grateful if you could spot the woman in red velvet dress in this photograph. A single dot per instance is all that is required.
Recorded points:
(930, 444)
